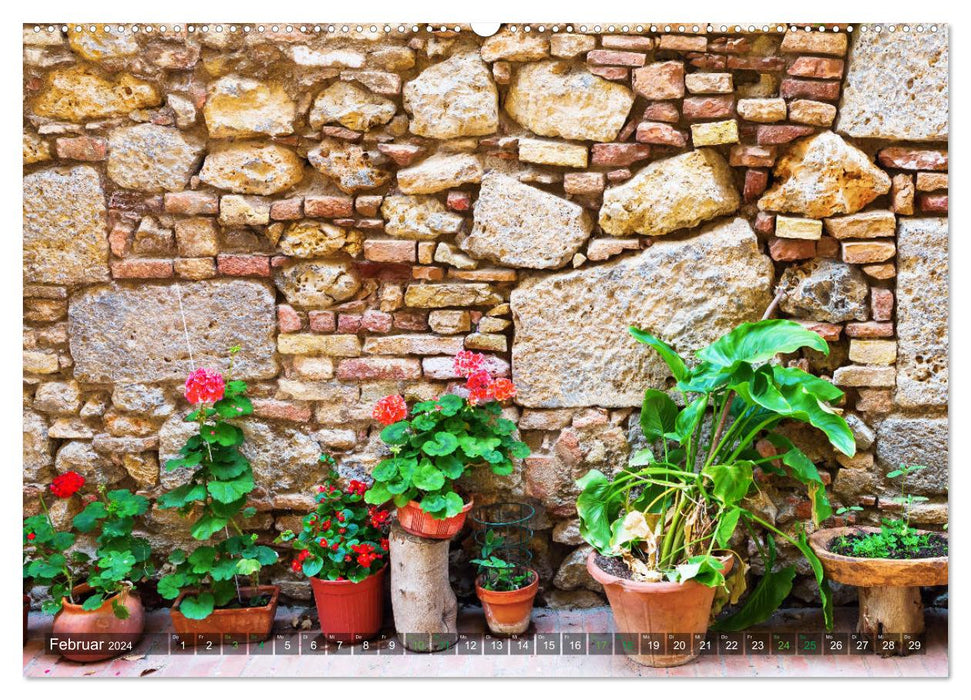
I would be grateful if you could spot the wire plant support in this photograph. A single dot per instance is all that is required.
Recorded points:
(509, 524)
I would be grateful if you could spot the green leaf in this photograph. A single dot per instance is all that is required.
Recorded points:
(453, 504)
(679, 369)
(825, 594)
(234, 407)
(377, 494)
(120, 611)
(197, 607)
(116, 565)
(765, 599)
(730, 482)
(93, 602)
(87, 519)
(230, 491)
(659, 414)
(519, 450)
(62, 541)
(386, 469)
(804, 471)
(761, 341)
(224, 569)
(726, 527)
(207, 526)
(125, 503)
(201, 559)
(247, 567)
(433, 503)
(182, 495)
(427, 477)
(703, 568)
(442, 444)
(688, 419)
(396, 433)
(597, 506)
(312, 566)
(450, 404)
(451, 466)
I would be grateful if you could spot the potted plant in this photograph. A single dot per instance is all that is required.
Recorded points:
(209, 584)
(342, 548)
(442, 439)
(662, 527)
(506, 589)
(93, 596)
(888, 564)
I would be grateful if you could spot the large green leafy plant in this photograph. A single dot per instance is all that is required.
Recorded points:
(442, 439)
(215, 496)
(52, 559)
(680, 501)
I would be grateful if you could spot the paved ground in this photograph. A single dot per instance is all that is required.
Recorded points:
(152, 657)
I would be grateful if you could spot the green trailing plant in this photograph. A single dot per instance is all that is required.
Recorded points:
(497, 574)
(442, 439)
(215, 496)
(52, 559)
(896, 538)
(681, 500)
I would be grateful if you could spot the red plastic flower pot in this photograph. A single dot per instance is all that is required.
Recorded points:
(508, 612)
(350, 612)
(416, 521)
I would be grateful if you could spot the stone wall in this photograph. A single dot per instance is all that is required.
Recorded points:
(354, 206)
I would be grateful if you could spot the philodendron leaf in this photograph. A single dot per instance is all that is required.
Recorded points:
(730, 482)
(805, 471)
(761, 341)
(597, 506)
(658, 414)
(764, 600)
(197, 607)
(679, 370)
(726, 527)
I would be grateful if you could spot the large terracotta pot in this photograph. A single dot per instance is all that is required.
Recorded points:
(508, 612)
(659, 608)
(350, 612)
(889, 588)
(252, 624)
(419, 523)
(103, 633)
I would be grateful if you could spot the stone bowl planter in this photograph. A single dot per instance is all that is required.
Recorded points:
(889, 588)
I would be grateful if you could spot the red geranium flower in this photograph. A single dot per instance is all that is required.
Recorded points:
(204, 386)
(503, 389)
(467, 363)
(67, 484)
(390, 409)
(357, 488)
(31, 536)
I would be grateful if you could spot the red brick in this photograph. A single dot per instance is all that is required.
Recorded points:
(322, 321)
(933, 203)
(755, 184)
(816, 67)
(457, 200)
(391, 251)
(368, 204)
(707, 61)
(368, 224)
(135, 268)
(660, 81)
(287, 319)
(827, 247)
(348, 323)
(881, 304)
(764, 222)
(730, 44)
(661, 134)
(243, 265)
(191, 203)
(118, 239)
(403, 154)
(287, 209)
(281, 410)
(339, 132)
(618, 153)
(619, 175)
(602, 57)
(328, 206)
(279, 260)
(372, 368)
(789, 249)
(376, 321)
(387, 272)
(906, 158)
(428, 273)
(774, 134)
(709, 107)
(869, 329)
(829, 331)
(662, 112)
(826, 91)
(410, 320)
(609, 72)
(752, 156)
(82, 148)
(762, 64)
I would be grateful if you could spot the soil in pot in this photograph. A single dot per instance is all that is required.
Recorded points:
(99, 634)
(245, 621)
(350, 612)
(508, 612)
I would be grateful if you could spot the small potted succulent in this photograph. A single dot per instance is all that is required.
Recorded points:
(343, 549)
(442, 439)
(506, 589)
(209, 584)
(888, 564)
(91, 594)
(663, 527)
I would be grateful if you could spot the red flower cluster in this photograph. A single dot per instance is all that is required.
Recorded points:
(67, 484)
(366, 555)
(356, 488)
(204, 386)
(378, 517)
(482, 387)
(390, 409)
(298, 560)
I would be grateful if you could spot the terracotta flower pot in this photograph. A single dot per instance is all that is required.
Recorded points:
(419, 523)
(26, 613)
(253, 624)
(664, 607)
(101, 627)
(508, 612)
(889, 588)
(348, 611)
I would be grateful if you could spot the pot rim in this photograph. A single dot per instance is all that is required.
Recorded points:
(527, 591)
(606, 579)
(819, 541)
(346, 583)
(465, 509)
(66, 604)
(267, 588)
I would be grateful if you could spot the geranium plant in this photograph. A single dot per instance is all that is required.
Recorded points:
(52, 559)
(681, 500)
(442, 439)
(343, 538)
(215, 496)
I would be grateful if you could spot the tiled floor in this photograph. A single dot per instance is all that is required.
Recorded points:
(151, 657)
